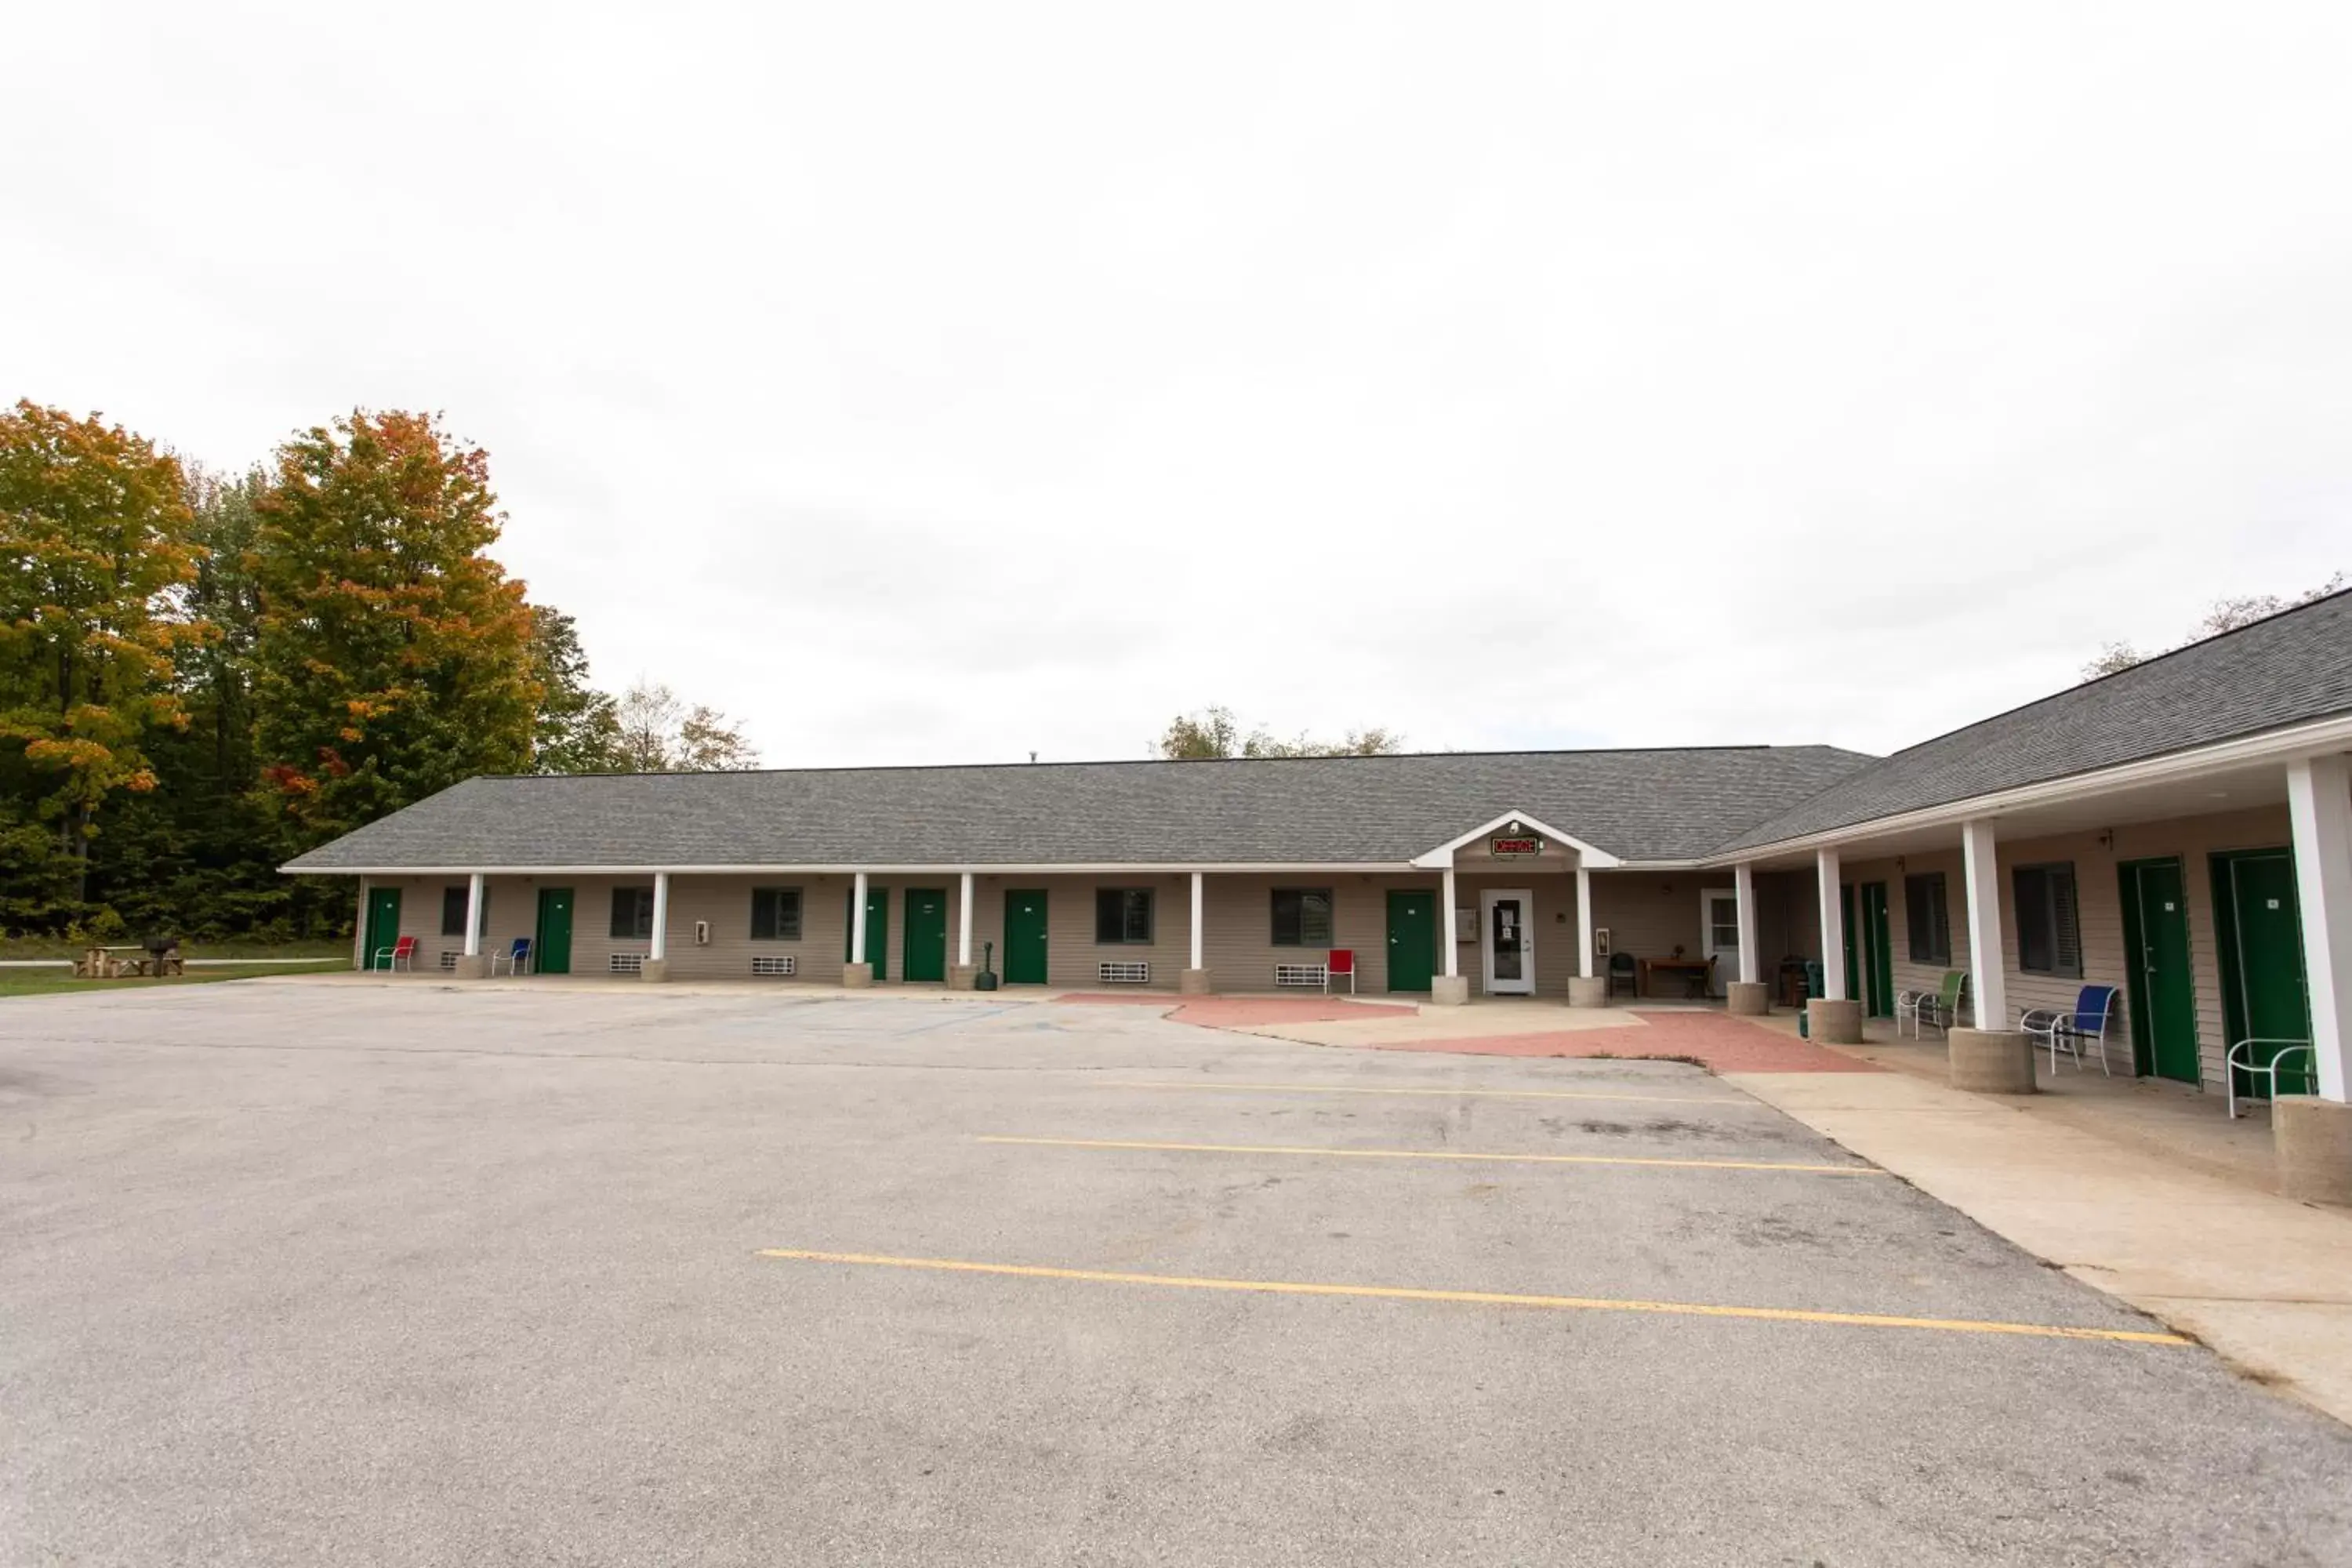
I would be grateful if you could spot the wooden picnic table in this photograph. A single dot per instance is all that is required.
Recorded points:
(1696, 972)
(99, 963)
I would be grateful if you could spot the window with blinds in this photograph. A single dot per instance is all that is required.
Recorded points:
(775, 915)
(1928, 918)
(2049, 930)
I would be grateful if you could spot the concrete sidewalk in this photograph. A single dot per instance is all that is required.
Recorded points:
(2264, 1280)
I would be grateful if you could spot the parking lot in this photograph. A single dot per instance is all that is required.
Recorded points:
(306, 1271)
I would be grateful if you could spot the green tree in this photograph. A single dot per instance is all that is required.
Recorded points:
(1214, 732)
(393, 655)
(577, 730)
(93, 548)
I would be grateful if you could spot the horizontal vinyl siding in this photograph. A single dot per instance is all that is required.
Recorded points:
(2191, 840)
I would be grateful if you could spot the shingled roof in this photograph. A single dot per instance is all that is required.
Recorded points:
(1636, 804)
(2293, 668)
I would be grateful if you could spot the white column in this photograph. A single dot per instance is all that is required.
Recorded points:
(1987, 974)
(1583, 923)
(858, 919)
(1825, 866)
(1200, 908)
(1445, 931)
(661, 916)
(963, 922)
(474, 915)
(1743, 883)
(2319, 803)
(361, 956)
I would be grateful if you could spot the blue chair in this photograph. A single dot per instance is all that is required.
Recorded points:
(517, 958)
(2093, 1017)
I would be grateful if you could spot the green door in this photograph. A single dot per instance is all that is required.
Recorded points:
(1878, 936)
(383, 926)
(877, 927)
(550, 948)
(1412, 940)
(1853, 934)
(925, 957)
(1025, 936)
(2160, 990)
(2261, 933)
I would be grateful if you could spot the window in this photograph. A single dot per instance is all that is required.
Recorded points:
(1122, 915)
(2049, 938)
(633, 913)
(1930, 917)
(453, 910)
(775, 914)
(1302, 917)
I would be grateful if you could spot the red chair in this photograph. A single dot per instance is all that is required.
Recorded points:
(399, 953)
(1342, 962)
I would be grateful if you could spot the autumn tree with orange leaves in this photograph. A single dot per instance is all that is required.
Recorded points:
(93, 548)
(393, 656)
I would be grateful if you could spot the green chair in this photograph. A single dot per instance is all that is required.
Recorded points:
(1939, 1008)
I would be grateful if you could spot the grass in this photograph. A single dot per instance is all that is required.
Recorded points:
(46, 981)
(57, 947)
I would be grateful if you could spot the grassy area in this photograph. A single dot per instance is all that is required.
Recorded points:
(42, 981)
(53, 947)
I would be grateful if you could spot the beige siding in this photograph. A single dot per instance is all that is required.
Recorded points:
(2098, 890)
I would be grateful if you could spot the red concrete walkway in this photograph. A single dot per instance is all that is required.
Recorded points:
(1718, 1043)
(1241, 1012)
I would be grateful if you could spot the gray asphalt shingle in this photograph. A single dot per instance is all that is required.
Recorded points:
(2291, 669)
(1638, 804)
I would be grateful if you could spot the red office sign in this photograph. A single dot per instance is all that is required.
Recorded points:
(1521, 845)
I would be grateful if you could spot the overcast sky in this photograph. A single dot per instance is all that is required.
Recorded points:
(942, 382)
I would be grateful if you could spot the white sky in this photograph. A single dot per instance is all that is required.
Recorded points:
(942, 383)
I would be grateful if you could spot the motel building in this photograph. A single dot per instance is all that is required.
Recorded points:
(2181, 831)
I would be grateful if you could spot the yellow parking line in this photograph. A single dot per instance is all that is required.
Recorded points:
(1739, 1102)
(1437, 1155)
(1479, 1298)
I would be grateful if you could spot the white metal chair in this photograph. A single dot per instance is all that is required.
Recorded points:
(1939, 1007)
(391, 958)
(2094, 1016)
(2233, 1064)
(517, 958)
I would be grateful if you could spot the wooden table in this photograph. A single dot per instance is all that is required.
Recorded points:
(1696, 971)
(99, 963)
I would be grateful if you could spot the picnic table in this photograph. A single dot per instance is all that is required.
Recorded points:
(98, 961)
(1696, 974)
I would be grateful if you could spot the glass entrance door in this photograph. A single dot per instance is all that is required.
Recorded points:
(1509, 941)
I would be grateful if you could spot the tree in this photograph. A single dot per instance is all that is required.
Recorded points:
(661, 735)
(395, 656)
(577, 730)
(93, 545)
(1214, 732)
(2222, 616)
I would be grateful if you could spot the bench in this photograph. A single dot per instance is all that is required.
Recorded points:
(1318, 976)
(1123, 972)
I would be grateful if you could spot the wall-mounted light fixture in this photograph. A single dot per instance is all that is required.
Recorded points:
(2106, 838)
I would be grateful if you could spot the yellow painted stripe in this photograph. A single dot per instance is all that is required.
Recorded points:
(1479, 1298)
(1437, 1155)
(1735, 1102)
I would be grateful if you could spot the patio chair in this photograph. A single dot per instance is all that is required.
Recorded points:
(2240, 1058)
(1939, 1008)
(2094, 1016)
(393, 957)
(1622, 967)
(1341, 962)
(517, 958)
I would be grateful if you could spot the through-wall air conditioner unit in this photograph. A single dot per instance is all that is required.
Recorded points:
(702, 934)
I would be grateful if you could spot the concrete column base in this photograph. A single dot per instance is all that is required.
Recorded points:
(1990, 1061)
(1747, 998)
(857, 976)
(656, 970)
(2313, 1137)
(1834, 1023)
(1450, 990)
(1194, 983)
(1592, 993)
(961, 975)
(474, 968)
